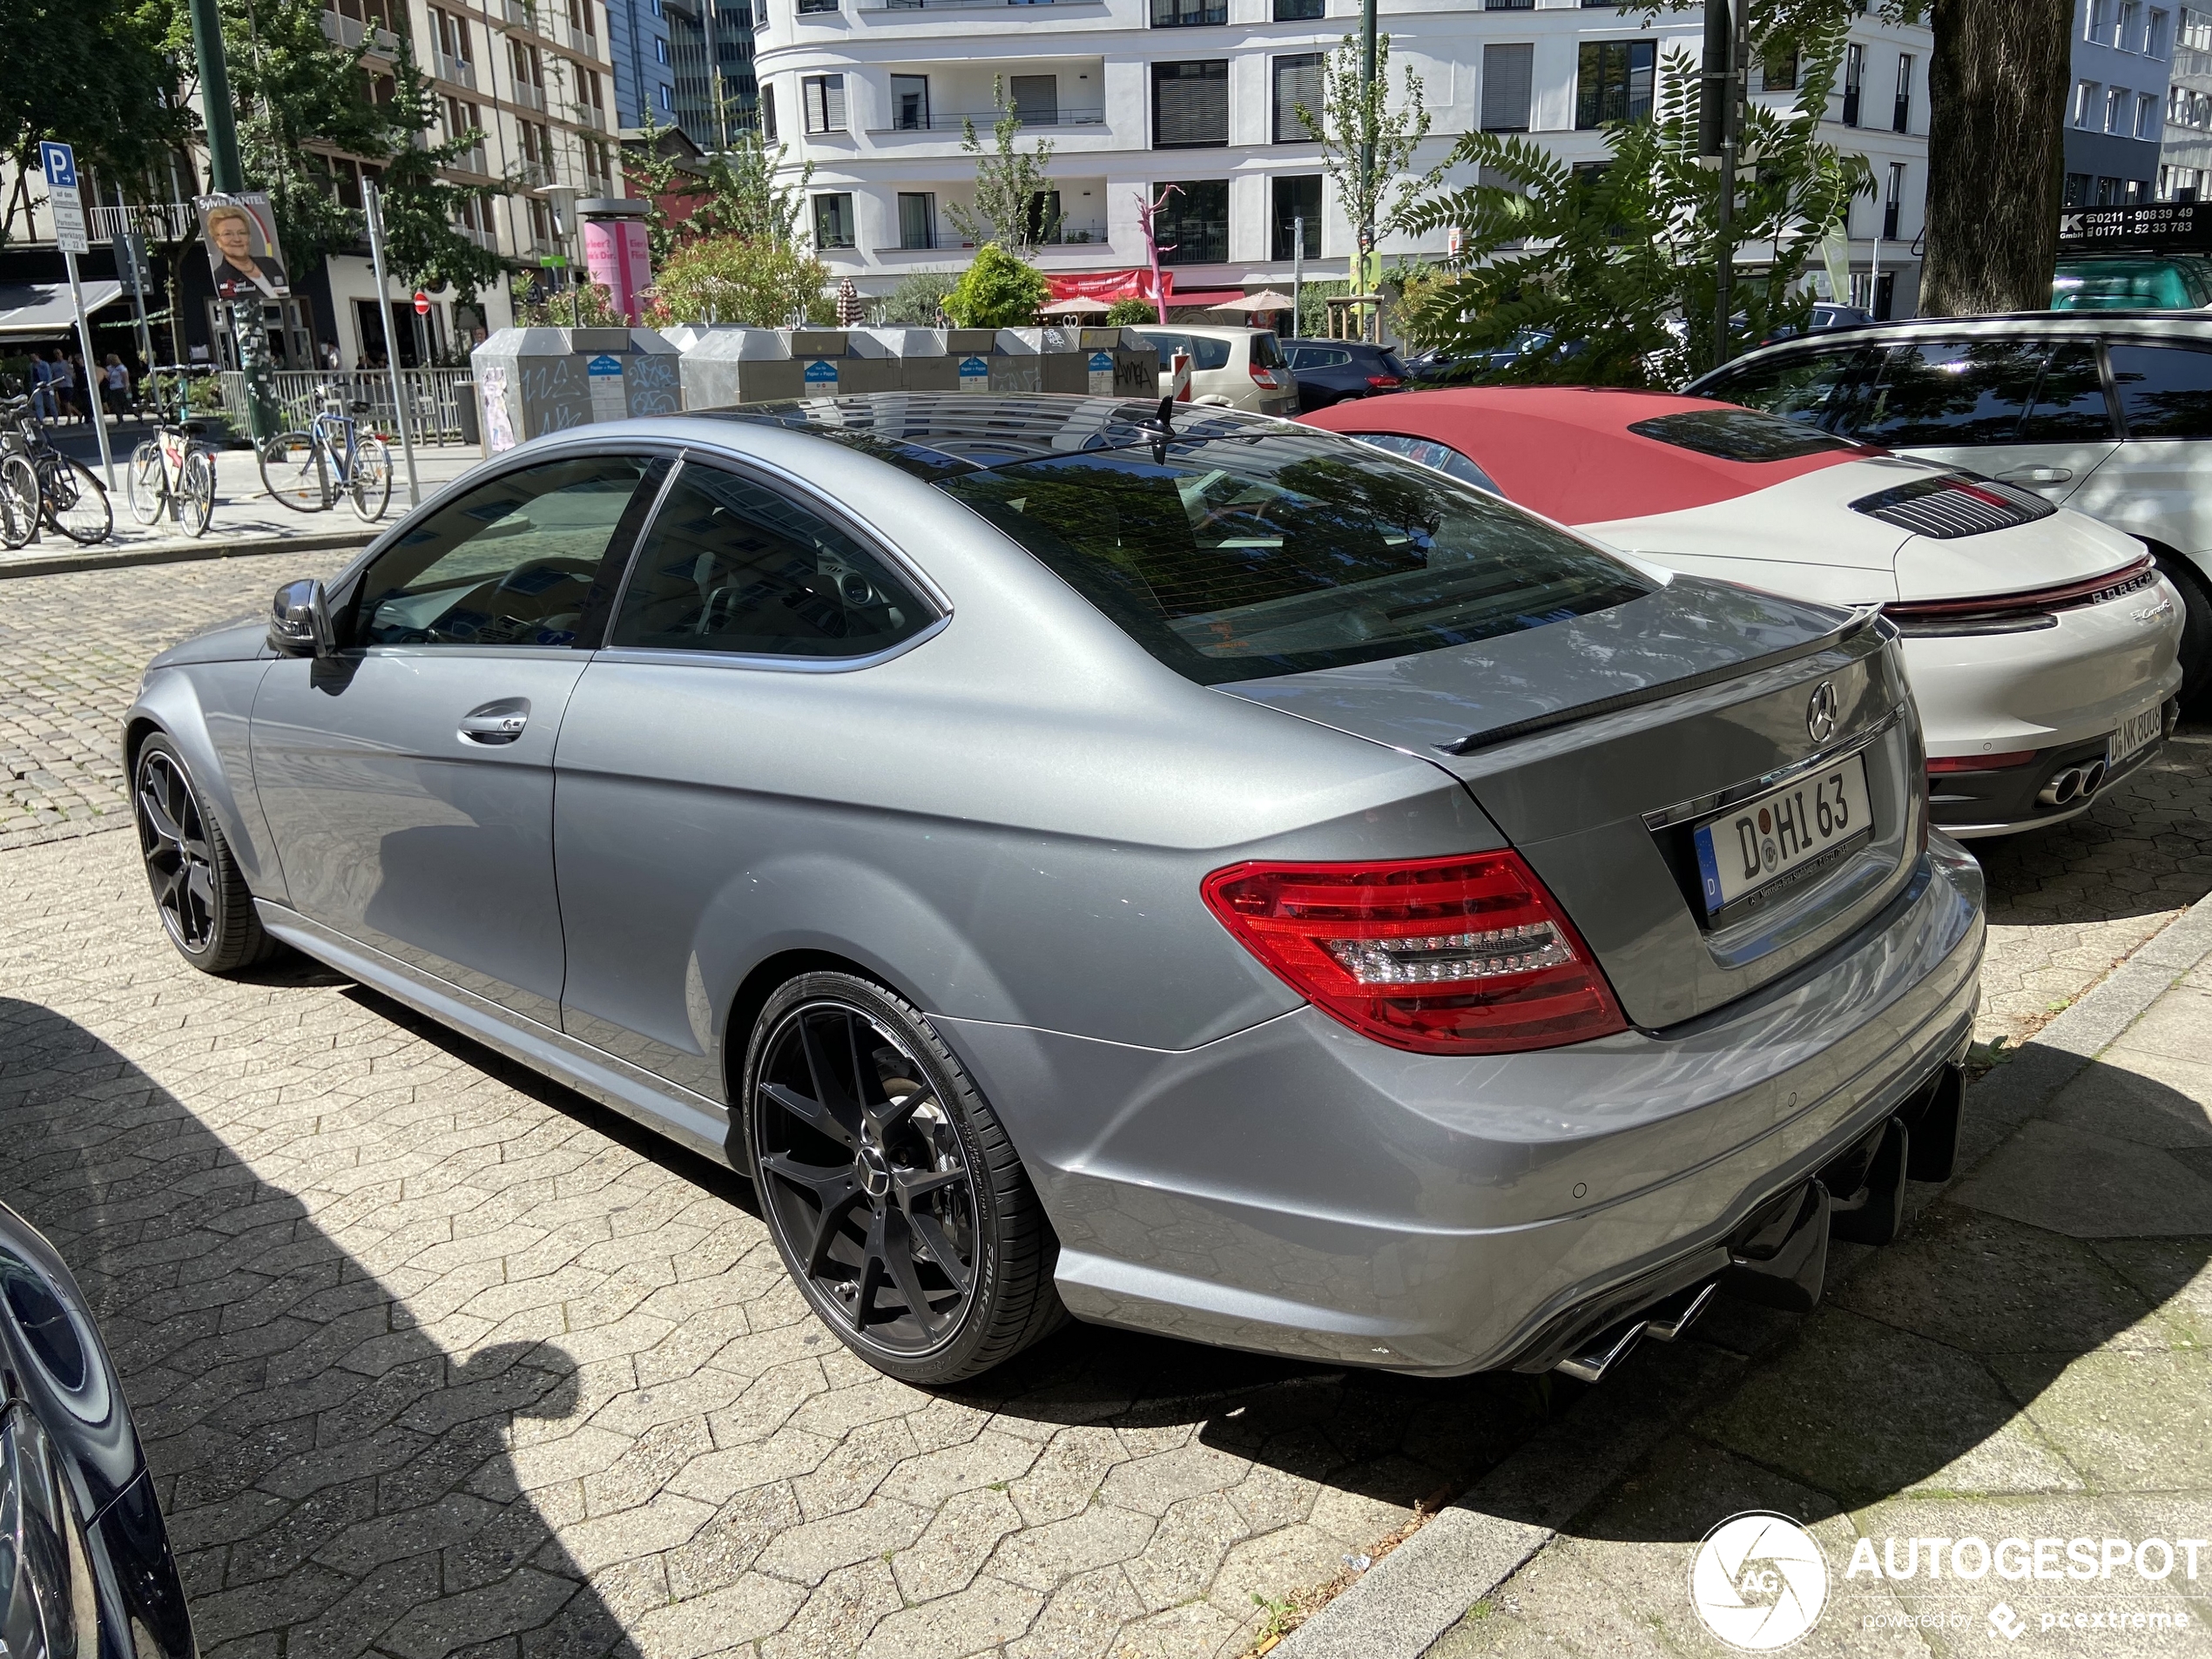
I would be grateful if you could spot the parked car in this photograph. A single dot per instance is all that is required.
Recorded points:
(1332, 371)
(85, 1566)
(1437, 367)
(1825, 318)
(1230, 367)
(2109, 413)
(2118, 281)
(1197, 873)
(2040, 645)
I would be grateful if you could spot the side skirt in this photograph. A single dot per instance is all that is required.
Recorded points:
(699, 1124)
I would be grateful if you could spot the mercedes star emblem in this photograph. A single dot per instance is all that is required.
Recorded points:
(1820, 714)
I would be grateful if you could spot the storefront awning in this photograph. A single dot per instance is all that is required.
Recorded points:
(30, 308)
(1204, 297)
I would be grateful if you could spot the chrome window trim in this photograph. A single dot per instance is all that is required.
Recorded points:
(1720, 799)
(759, 662)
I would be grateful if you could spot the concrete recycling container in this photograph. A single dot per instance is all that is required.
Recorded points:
(1097, 362)
(530, 381)
(725, 366)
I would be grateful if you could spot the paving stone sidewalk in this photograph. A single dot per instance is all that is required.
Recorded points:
(431, 1356)
(2033, 1359)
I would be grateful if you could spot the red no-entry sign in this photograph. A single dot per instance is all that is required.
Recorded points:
(422, 303)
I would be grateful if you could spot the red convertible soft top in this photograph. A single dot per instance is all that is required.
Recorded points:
(1568, 452)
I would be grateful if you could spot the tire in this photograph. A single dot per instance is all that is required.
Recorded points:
(76, 502)
(922, 1171)
(18, 501)
(292, 472)
(198, 891)
(142, 482)
(2197, 630)
(196, 502)
(369, 483)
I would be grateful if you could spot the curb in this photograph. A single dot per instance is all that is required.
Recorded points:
(1424, 1587)
(96, 558)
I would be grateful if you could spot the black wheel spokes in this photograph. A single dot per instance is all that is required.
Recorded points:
(876, 1204)
(180, 863)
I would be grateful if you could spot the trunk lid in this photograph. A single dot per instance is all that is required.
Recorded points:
(1598, 744)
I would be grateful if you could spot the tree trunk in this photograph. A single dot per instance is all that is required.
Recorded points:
(1997, 92)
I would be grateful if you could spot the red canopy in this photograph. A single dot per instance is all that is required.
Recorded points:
(1111, 284)
(1207, 297)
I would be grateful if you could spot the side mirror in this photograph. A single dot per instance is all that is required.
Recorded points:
(299, 621)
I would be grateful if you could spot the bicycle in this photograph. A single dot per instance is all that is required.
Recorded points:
(307, 471)
(172, 471)
(38, 482)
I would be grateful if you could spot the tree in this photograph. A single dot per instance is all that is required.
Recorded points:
(651, 174)
(422, 246)
(91, 74)
(1592, 273)
(1014, 204)
(919, 299)
(1124, 314)
(998, 291)
(743, 197)
(1355, 113)
(733, 279)
(1996, 93)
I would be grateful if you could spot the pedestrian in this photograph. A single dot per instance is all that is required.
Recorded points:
(331, 359)
(64, 382)
(118, 387)
(41, 389)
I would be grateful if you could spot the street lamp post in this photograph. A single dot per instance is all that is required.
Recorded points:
(561, 196)
(226, 177)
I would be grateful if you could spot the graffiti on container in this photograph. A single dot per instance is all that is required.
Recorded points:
(653, 387)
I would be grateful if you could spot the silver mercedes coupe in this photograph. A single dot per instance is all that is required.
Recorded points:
(1161, 865)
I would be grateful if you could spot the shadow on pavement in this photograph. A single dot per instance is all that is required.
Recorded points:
(333, 1480)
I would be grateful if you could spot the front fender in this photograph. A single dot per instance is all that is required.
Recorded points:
(207, 710)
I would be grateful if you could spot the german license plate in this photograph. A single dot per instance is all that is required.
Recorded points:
(2136, 733)
(1765, 839)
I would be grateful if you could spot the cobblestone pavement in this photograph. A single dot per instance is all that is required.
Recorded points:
(429, 1352)
(430, 1356)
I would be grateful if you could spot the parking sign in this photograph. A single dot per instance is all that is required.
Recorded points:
(60, 163)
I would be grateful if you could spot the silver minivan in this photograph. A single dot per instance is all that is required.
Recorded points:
(2109, 413)
(1231, 366)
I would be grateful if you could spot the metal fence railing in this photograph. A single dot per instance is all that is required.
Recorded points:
(437, 399)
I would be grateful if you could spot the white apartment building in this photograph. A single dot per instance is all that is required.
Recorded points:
(1138, 94)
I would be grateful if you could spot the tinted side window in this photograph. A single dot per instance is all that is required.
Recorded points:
(516, 562)
(1947, 393)
(730, 565)
(1209, 354)
(1429, 452)
(1810, 389)
(2070, 405)
(2164, 391)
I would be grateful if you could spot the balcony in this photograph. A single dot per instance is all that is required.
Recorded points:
(532, 97)
(967, 6)
(591, 115)
(165, 221)
(470, 160)
(938, 121)
(521, 13)
(945, 238)
(459, 71)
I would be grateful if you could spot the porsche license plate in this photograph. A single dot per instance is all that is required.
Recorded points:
(1763, 840)
(2136, 733)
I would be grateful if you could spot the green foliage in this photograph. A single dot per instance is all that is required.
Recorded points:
(998, 291)
(732, 278)
(1313, 307)
(1616, 259)
(917, 301)
(745, 201)
(91, 73)
(1012, 186)
(588, 305)
(1127, 314)
(653, 176)
(422, 247)
(1354, 115)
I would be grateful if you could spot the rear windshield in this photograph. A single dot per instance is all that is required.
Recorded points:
(1245, 558)
(1737, 434)
(1205, 352)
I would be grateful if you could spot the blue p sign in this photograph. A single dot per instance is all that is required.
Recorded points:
(60, 163)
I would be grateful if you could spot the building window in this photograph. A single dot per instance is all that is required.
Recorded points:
(805, 6)
(1193, 228)
(2077, 190)
(2145, 115)
(1854, 78)
(2108, 191)
(1296, 197)
(1779, 72)
(768, 113)
(1614, 83)
(1901, 118)
(1179, 14)
(2154, 34)
(1893, 202)
(1508, 69)
(2124, 37)
(910, 104)
(833, 220)
(1300, 10)
(1298, 85)
(660, 49)
(1191, 105)
(1036, 100)
(825, 101)
(2116, 110)
(2085, 104)
(1508, 5)
(917, 219)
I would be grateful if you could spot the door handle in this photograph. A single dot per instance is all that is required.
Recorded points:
(496, 723)
(2035, 475)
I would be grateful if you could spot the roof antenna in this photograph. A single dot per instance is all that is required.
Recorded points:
(1163, 425)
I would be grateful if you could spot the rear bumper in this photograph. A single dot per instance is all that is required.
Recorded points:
(1297, 1189)
(2059, 783)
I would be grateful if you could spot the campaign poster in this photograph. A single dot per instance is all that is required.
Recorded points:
(242, 251)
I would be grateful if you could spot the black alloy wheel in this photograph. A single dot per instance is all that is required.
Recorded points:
(893, 1196)
(198, 890)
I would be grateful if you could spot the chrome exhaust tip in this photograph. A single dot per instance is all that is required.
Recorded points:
(2092, 778)
(1662, 1321)
(2062, 788)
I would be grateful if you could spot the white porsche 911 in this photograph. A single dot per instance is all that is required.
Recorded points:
(2041, 644)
